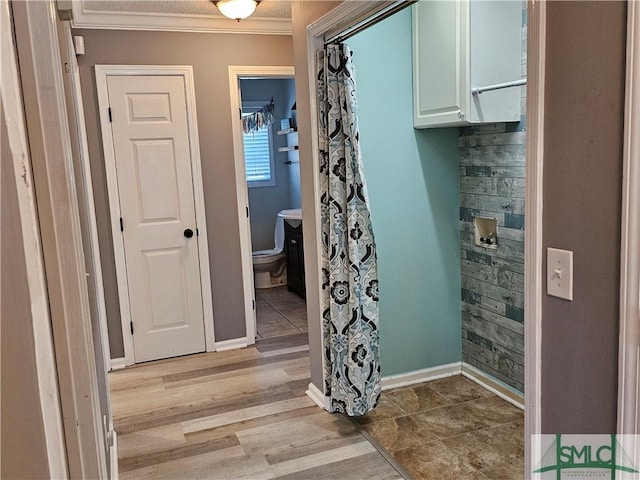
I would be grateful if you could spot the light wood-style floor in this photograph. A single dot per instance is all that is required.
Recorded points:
(236, 414)
(244, 414)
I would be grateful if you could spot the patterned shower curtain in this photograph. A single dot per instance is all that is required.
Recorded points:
(349, 263)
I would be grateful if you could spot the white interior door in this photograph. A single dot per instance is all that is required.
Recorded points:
(155, 188)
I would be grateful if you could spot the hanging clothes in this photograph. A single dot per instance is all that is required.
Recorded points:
(350, 318)
(261, 118)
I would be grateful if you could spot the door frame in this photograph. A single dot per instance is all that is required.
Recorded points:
(236, 73)
(629, 341)
(348, 14)
(185, 71)
(57, 445)
(51, 197)
(96, 282)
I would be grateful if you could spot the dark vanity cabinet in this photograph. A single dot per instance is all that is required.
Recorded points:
(294, 251)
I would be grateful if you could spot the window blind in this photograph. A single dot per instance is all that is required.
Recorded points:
(257, 156)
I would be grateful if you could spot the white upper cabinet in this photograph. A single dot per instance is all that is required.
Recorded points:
(461, 45)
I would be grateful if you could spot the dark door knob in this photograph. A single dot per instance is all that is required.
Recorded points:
(188, 233)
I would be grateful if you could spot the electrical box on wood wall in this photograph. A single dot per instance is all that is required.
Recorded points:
(464, 53)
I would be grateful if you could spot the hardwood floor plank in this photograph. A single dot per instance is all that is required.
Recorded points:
(171, 366)
(191, 449)
(217, 465)
(135, 402)
(151, 440)
(294, 368)
(235, 428)
(242, 415)
(368, 466)
(301, 437)
(233, 367)
(182, 413)
(312, 461)
(282, 351)
(278, 343)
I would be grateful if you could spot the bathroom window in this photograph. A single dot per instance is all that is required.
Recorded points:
(258, 152)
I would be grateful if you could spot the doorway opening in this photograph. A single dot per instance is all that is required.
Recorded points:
(329, 27)
(275, 215)
(269, 200)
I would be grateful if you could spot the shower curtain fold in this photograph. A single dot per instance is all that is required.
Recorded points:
(349, 264)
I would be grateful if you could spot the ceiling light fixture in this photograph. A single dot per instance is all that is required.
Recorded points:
(237, 9)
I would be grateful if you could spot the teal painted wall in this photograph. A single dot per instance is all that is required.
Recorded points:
(414, 190)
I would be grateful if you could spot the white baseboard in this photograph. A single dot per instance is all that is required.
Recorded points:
(231, 344)
(118, 363)
(419, 376)
(493, 385)
(318, 397)
(486, 381)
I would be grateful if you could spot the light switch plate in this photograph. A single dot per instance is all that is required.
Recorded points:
(560, 273)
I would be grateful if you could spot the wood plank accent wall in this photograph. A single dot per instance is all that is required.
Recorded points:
(492, 184)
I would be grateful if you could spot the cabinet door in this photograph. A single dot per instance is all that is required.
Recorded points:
(496, 57)
(440, 56)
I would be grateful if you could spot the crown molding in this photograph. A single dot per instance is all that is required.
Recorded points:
(175, 22)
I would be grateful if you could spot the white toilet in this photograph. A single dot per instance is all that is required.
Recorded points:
(269, 267)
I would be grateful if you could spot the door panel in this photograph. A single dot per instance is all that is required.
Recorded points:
(155, 186)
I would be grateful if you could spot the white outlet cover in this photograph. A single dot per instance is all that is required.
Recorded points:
(560, 273)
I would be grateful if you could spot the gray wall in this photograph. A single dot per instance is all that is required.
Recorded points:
(210, 55)
(266, 202)
(22, 444)
(584, 104)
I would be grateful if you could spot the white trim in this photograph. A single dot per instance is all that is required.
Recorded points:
(113, 454)
(242, 194)
(315, 40)
(96, 282)
(344, 16)
(47, 376)
(536, 52)
(629, 361)
(232, 344)
(174, 22)
(492, 384)
(186, 71)
(117, 363)
(319, 398)
(421, 376)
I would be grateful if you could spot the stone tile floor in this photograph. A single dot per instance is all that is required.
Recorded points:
(279, 312)
(449, 429)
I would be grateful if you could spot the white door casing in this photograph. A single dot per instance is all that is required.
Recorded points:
(155, 186)
(629, 341)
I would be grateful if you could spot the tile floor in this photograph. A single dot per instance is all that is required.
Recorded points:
(279, 312)
(449, 429)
